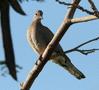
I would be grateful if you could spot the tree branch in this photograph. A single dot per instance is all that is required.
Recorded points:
(79, 7)
(84, 19)
(85, 52)
(50, 48)
(93, 15)
(93, 5)
(96, 12)
(32, 0)
(2, 62)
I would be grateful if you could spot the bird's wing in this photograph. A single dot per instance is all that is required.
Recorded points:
(48, 35)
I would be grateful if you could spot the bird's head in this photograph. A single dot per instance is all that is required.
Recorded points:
(38, 15)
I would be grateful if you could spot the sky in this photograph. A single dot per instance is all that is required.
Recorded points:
(53, 77)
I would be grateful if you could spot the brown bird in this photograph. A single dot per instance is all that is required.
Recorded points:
(39, 37)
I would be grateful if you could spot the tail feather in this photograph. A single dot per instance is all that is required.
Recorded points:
(66, 64)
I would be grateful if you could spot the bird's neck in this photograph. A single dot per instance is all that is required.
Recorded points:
(36, 21)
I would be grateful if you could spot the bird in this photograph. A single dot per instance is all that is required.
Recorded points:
(39, 37)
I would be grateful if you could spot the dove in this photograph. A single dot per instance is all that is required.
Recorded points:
(39, 37)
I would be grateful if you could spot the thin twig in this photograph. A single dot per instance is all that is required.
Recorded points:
(2, 62)
(94, 8)
(32, 0)
(85, 52)
(97, 38)
(79, 7)
(93, 5)
(19, 67)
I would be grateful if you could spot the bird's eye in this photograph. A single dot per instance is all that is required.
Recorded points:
(36, 14)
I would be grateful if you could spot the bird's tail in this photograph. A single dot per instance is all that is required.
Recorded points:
(65, 62)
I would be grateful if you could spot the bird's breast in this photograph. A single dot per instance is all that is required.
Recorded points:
(37, 40)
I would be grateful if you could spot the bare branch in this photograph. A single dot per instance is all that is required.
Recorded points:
(93, 5)
(32, 0)
(87, 42)
(19, 67)
(85, 10)
(79, 7)
(50, 48)
(4, 73)
(2, 62)
(85, 52)
(84, 19)
(64, 3)
(96, 12)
